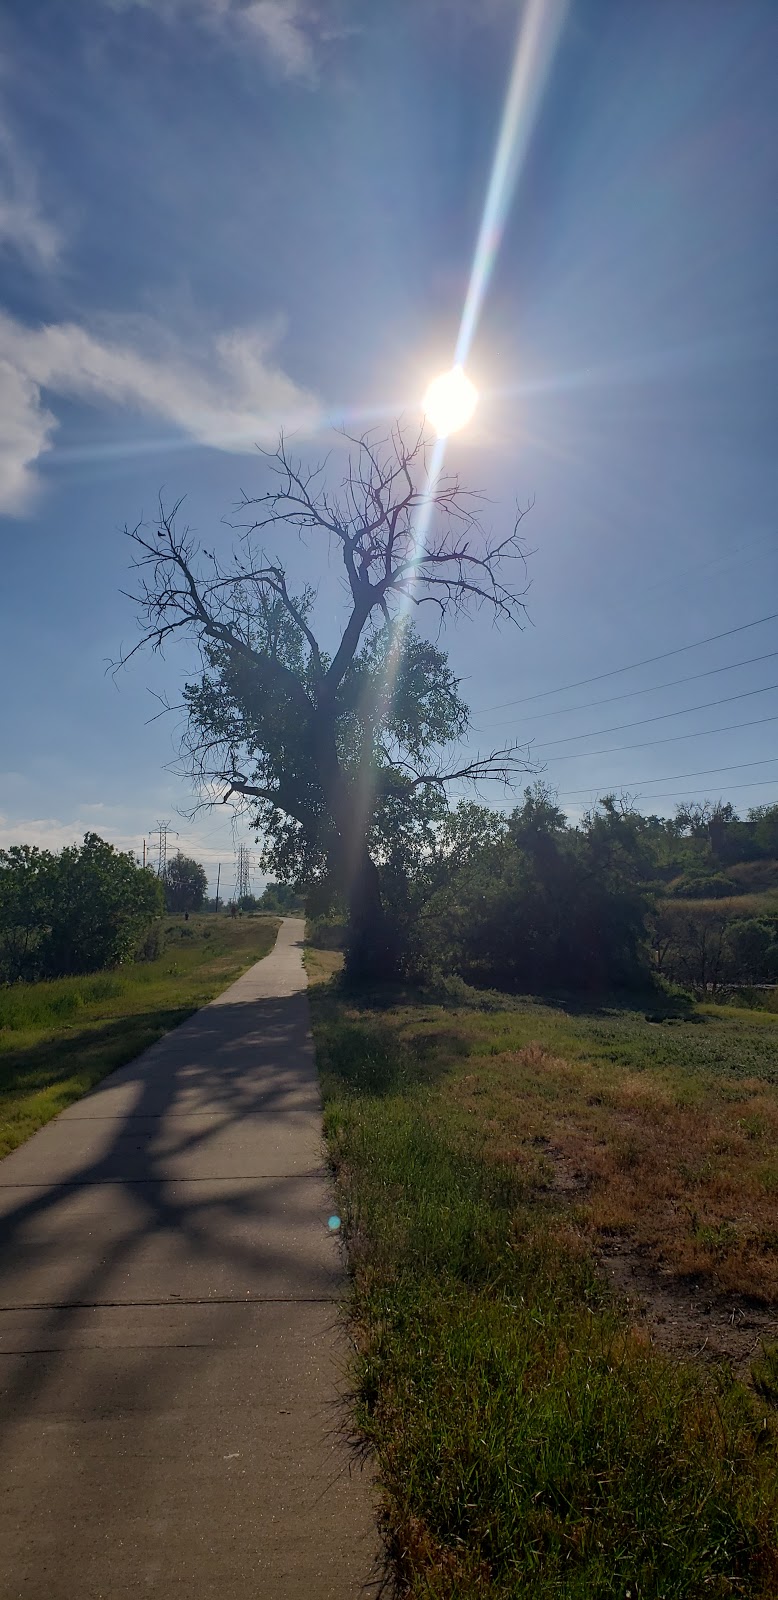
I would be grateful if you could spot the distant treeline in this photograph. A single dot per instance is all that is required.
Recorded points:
(521, 900)
(277, 900)
(527, 901)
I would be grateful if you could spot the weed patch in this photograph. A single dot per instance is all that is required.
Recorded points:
(530, 1439)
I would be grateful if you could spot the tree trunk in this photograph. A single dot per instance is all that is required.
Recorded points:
(372, 952)
(372, 948)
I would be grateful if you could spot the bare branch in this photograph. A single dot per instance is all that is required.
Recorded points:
(384, 494)
(172, 599)
(501, 766)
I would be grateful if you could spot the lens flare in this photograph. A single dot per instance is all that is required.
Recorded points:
(450, 401)
(539, 30)
(451, 398)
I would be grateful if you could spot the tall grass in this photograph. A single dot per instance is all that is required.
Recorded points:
(59, 1038)
(529, 1443)
(25, 1007)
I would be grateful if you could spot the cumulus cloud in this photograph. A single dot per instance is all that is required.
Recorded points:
(118, 827)
(50, 833)
(233, 397)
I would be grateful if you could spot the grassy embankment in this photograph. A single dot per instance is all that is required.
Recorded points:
(531, 1439)
(58, 1039)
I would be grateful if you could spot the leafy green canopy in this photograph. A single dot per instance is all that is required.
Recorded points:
(524, 901)
(396, 708)
(186, 883)
(77, 911)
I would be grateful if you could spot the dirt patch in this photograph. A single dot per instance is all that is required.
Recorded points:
(687, 1319)
(569, 1176)
(683, 1316)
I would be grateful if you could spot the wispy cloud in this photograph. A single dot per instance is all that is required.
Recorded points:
(287, 31)
(287, 28)
(23, 226)
(231, 398)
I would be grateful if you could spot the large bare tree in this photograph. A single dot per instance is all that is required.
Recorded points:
(323, 745)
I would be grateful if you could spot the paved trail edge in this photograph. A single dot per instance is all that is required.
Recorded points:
(171, 1343)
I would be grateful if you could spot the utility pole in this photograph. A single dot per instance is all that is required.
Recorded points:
(218, 880)
(144, 855)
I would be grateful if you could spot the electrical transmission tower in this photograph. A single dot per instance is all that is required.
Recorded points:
(160, 833)
(242, 872)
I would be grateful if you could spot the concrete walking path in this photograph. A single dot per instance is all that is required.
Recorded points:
(171, 1350)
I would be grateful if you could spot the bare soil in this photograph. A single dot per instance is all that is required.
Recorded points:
(684, 1317)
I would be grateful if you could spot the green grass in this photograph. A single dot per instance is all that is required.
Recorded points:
(58, 1039)
(703, 1039)
(529, 1441)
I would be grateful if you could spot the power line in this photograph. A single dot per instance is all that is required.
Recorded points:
(632, 667)
(632, 694)
(679, 794)
(676, 777)
(662, 716)
(676, 738)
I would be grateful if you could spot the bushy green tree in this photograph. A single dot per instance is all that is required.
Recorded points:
(186, 883)
(752, 950)
(26, 889)
(101, 901)
(763, 824)
(282, 899)
(533, 903)
(80, 910)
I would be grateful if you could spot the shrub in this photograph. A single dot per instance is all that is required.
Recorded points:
(151, 945)
(702, 886)
(78, 911)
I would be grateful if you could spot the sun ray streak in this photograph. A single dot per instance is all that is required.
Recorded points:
(539, 31)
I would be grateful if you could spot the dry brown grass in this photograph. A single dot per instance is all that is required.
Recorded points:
(686, 1169)
(750, 903)
(321, 965)
(532, 1437)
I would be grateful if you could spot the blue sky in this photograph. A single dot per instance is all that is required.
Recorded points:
(219, 216)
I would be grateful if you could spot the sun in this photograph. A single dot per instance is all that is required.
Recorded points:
(450, 401)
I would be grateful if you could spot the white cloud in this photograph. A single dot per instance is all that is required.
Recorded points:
(25, 428)
(23, 227)
(286, 30)
(285, 27)
(52, 833)
(234, 397)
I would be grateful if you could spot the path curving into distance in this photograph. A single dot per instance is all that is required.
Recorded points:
(171, 1344)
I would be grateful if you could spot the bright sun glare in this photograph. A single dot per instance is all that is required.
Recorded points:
(450, 401)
